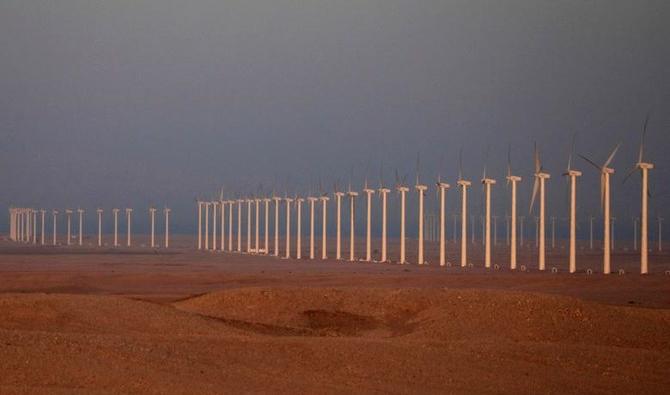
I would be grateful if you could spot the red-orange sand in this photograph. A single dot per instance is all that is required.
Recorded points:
(82, 320)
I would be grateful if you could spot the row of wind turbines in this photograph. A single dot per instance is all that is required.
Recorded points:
(23, 226)
(224, 216)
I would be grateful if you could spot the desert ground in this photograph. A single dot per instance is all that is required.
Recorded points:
(181, 321)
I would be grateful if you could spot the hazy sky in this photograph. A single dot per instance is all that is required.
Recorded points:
(132, 103)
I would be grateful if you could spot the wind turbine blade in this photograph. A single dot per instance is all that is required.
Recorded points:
(460, 164)
(628, 174)
(536, 187)
(509, 162)
(642, 136)
(609, 159)
(572, 151)
(417, 168)
(538, 165)
(591, 162)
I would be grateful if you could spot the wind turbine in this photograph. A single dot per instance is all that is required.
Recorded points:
(402, 190)
(266, 234)
(214, 204)
(644, 168)
(99, 211)
(338, 204)
(324, 225)
(421, 190)
(199, 225)
(206, 204)
(352, 222)
(152, 214)
(116, 226)
(540, 178)
(257, 220)
(368, 227)
(129, 211)
(288, 226)
(487, 182)
(443, 187)
(605, 173)
(34, 226)
(573, 174)
(166, 211)
(68, 213)
(239, 225)
(231, 203)
(298, 225)
(277, 200)
(312, 201)
(55, 215)
(464, 184)
(42, 212)
(383, 194)
(249, 203)
(222, 204)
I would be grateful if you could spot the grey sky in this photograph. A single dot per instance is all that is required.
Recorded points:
(157, 101)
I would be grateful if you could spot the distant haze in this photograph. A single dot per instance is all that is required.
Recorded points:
(132, 103)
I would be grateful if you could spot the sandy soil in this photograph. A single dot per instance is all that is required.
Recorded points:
(83, 320)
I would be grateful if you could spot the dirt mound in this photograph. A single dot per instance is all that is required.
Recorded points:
(96, 314)
(439, 314)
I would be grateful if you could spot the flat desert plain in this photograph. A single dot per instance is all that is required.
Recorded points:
(181, 321)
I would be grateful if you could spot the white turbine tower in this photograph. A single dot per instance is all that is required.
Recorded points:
(257, 219)
(464, 184)
(166, 211)
(152, 215)
(443, 187)
(99, 211)
(487, 182)
(55, 217)
(352, 223)
(383, 194)
(239, 225)
(116, 226)
(214, 204)
(298, 225)
(644, 168)
(42, 212)
(421, 191)
(312, 201)
(605, 173)
(249, 203)
(324, 225)
(266, 233)
(368, 224)
(68, 213)
(573, 174)
(288, 226)
(129, 212)
(402, 190)
(206, 204)
(231, 203)
(199, 224)
(539, 185)
(338, 241)
(222, 204)
(277, 200)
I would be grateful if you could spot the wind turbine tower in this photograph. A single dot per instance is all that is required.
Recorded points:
(368, 227)
(605, 173)
(443, 187)
(166, 211)
(487, 182)
(644, 168)
(324, 225)
(540, 178)
(68, 213)
(129, 212)
(298, 226)
(152, 214)
(116, 226)
(99, 211)
(312, 201)
(338, 243)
